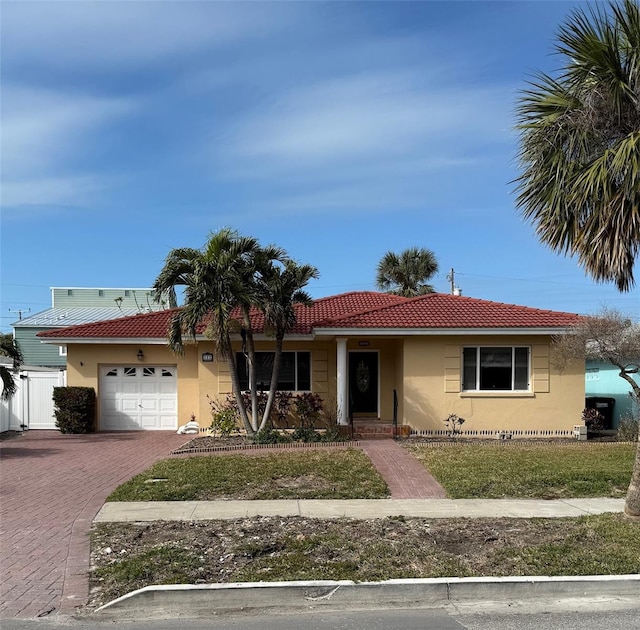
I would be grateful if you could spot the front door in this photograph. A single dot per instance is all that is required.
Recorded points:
(363, 383)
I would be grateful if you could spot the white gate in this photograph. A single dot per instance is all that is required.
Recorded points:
(32, 405)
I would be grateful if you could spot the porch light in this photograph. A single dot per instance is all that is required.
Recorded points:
(207, 357)
(140, 355)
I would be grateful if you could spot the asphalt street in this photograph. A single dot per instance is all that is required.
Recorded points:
(609, 614)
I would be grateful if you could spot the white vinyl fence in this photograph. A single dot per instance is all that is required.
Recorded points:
(32, 404)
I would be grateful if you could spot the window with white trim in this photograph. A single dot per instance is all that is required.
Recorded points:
(495, 368)
(295, 371)
(63, 351)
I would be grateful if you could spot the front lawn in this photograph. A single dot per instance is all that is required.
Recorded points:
(309, 474)
(520, 470)
(128, 556)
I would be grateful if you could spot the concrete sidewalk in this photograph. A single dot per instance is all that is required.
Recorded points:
(354, 508)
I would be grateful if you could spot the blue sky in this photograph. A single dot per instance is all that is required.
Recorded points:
(338, 131)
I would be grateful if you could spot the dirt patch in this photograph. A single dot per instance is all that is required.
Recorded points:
(129, 556)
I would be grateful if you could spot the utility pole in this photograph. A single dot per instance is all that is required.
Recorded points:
(451, 277)
(20, 311)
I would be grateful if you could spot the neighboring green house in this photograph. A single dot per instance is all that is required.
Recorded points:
(71, 306)
(602, 380)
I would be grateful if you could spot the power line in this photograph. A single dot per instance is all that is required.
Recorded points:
(20, 311)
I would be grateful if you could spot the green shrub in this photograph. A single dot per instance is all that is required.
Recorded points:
(307, 409)
(75, 409)
(224, 417)
(306, 434)
(270, 436)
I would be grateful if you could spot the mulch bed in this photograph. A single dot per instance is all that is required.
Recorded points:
(210, 444)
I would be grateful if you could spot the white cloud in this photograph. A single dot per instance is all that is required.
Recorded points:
(41, 132)
(41, 127)
(79, 34)
(369, 117)
(20, 196)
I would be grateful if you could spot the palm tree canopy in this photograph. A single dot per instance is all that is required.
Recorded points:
(406, 274)
(280, 287)
(222, 282)
(580, 144)
(216, 280)
(9, 348)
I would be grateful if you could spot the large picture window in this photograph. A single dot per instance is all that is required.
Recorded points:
(502, 368)
(295, 371)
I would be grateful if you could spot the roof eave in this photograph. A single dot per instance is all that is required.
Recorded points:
(414, 332)
(156, 340)
(105, 340)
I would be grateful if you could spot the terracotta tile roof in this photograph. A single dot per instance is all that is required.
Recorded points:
(146, 326)
(441, 310)
(358, 309)
(341, 305)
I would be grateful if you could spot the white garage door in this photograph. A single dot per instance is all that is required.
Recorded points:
(138, 397)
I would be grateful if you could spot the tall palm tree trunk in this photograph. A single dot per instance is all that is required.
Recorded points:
(251, 359)
(273, 385)
(235, 383)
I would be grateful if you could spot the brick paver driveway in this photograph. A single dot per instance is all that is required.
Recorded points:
(51, 487)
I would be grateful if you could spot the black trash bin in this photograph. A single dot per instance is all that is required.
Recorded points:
(604, 406)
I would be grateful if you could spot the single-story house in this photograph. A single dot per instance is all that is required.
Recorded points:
(440, 354)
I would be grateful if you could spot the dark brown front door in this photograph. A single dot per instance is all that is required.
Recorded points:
(363, 383)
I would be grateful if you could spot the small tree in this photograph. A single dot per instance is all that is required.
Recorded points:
(454, 424)
(612, 338)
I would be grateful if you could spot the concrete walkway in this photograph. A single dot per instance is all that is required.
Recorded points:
(52, 487)
(354, 508)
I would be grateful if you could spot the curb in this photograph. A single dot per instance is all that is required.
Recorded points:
(186, 600)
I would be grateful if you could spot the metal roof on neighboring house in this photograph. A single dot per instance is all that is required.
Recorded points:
(63, 317)
(8, 362)
(362, 311)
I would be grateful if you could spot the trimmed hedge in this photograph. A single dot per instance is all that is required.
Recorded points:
(75, 409)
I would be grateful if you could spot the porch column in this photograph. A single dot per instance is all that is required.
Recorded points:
(342, 380)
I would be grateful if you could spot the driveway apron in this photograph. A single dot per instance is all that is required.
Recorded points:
(51, 487)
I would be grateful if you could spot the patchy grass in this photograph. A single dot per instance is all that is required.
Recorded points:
(132, 555)
(317, 474)
(546, 471)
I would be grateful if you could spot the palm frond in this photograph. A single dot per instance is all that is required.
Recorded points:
(579, 150)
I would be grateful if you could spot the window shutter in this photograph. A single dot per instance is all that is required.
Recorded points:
(540, 368)
(452, 369)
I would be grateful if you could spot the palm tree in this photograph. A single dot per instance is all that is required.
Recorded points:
(215, 281)
(580, 144)
(580, 153)
(405, 274)
(280, 288)
(9, 348)
(222, 283)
